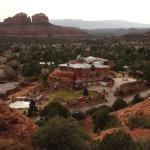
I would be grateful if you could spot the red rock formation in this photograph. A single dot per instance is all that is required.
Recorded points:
(21, 26)
(14, 127)
(40, 18)
(18, 19)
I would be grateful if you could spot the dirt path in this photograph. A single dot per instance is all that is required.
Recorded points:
(23, 91)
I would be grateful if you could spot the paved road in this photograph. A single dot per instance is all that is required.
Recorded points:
(110, 102)
(110, 97)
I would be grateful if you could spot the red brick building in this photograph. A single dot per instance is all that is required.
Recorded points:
(81, 72)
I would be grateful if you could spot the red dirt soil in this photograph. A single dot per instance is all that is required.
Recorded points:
(123, 115)
(14, 127)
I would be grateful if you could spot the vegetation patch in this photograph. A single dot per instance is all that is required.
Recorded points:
(136, 99)
(66, 94)
(102, 120)
(118, 104)
(118, 141)
(138, 121)
(54, 109)
(61, 134)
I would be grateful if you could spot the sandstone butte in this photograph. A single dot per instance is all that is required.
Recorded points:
(15, 129)
(37, 26)
(142, 108)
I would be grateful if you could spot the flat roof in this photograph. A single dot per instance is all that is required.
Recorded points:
(88, 62)
(92, 59)
(76, 65)
(4, 87)
(84, 65)
(99, 64)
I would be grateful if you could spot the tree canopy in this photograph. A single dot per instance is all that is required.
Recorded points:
(54, 109)
(118, 141)
(61, 134)
(118, 104)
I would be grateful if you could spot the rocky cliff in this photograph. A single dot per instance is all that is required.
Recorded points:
(15, 129)
(38, 26)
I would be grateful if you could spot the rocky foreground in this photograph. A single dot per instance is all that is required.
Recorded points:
(15, 129)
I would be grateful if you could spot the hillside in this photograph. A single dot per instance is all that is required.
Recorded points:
(15, 129)
(123, 115)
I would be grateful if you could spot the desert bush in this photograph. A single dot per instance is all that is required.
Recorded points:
(118, 141)
(138, 121)
(102, 119)
(136, 99)
(79, 115)
(61, 134)
(118, 104)
(54, 109)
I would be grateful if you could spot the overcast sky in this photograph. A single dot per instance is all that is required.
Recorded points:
(130, 10)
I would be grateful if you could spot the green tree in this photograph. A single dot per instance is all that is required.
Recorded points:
(44, 78)
(61, 134)
(54, 109)
(32, 108)
(118, 104)
(85, 92)
(146, 71)
(136, 99)
(118, 141)
(100, 119)
(31, 69)
(138, 121)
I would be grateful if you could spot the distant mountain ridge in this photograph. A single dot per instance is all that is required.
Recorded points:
(117, 32)
(104, 24)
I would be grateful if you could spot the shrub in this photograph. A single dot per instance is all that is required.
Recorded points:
(93, 110)
(136, 99)
(117, 141)
(32, 108)
(79, 115)
(61, 134)
(103, 120)
(41, 122)
(118, 104)
(139, 122)
(113, 122)
(143, 143)
(100, 118)
(54, 109)
(85, 92)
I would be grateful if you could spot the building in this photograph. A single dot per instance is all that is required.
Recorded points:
(88, 71)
